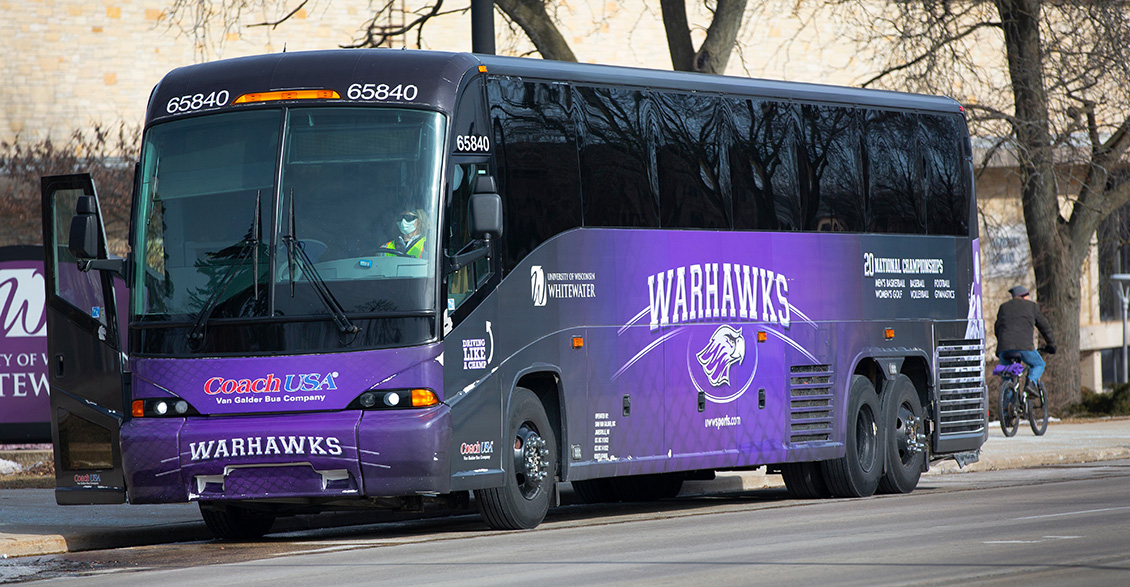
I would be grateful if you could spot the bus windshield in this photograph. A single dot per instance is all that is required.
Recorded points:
(301, 214)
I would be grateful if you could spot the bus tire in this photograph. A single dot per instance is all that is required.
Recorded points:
(531, 471)
(857, 473)
(901, 413)
(229, 522)
(595, 490)
(653, 487)
(805, 480)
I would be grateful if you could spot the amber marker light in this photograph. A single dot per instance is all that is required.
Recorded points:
(889, 333)
(137, 408)
(287, 95)
(422, 398)
(482, 69)
(762, 336)
(578, 342)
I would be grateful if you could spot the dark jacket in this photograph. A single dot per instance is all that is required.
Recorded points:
(1015, 320)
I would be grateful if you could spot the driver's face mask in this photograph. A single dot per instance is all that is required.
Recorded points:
(407, 224)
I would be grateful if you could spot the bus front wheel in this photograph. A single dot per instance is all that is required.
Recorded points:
(531, 471)
(857, 473)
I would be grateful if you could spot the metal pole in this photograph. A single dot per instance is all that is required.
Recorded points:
(1122, 281)
(482, 26)
(1126, 303)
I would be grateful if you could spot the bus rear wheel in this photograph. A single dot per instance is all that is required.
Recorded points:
(857, 473)
(531, 472)
(230, 522)
(901, 413)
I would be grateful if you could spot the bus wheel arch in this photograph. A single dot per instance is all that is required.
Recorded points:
(857, 473)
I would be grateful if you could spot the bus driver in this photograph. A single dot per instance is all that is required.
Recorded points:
(410, 224)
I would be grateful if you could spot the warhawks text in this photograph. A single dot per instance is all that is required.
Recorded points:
(718, 291)
(257, 446)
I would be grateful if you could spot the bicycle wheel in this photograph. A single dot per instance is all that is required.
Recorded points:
(1037, 410)
(1009, 411)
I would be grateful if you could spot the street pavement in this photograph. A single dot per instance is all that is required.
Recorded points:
(32, 524)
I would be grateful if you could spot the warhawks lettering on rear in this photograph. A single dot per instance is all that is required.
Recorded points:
(256, 446)
(710, 292)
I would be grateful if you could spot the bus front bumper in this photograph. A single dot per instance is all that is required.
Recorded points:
(317, 455)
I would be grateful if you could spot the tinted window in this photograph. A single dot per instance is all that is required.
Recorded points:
(895, 196)
(536, 143)
(831, 187)
(687, 161)
(947, 181)
(762, 157)
(615, 186)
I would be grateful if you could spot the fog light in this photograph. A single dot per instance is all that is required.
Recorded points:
(181, 407)
(368, 400)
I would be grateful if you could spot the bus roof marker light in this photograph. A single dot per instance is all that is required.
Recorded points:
(888, 333)
(482, 69)
(578, 342)
(762, 336)
(287, 95)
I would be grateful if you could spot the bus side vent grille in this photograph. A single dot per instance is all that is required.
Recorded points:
(961, 388)
(810, 403)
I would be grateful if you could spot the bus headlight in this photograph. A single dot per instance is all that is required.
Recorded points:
(400, 398)
(157, 408)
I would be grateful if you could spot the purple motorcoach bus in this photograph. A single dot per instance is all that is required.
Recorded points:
(377, 278)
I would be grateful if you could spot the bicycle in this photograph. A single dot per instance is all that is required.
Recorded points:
(1032, 403)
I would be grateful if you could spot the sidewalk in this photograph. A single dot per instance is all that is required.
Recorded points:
(32, 524)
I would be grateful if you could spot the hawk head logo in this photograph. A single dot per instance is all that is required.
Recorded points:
(726, 347)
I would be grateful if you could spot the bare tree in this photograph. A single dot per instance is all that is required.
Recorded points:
(1061, 112)
(394, 19)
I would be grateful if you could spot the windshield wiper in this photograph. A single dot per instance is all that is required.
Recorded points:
(295, 250)
(249, 248)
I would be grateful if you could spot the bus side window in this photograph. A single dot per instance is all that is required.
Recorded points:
(535, 148)
(763, 160)
(896, 203)
(947, 192)
(831, 184)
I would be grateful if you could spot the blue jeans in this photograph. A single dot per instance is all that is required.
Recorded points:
(1034, 361)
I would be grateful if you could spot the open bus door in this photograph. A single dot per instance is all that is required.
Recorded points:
(84, 351)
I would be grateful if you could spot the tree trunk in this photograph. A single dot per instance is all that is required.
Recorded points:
(721, 36)
(1056, 259)
(539, 27)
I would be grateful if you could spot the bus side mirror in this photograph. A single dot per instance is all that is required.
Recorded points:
(84, 233)
(486, 209)
(85, 240)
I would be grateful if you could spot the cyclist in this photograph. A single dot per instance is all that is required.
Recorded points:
(1013, 328)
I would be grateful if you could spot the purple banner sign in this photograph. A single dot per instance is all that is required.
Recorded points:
(24, 399)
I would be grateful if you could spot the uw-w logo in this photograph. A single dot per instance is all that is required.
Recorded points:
(22, 303)
(725, 347)
(537, 286)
